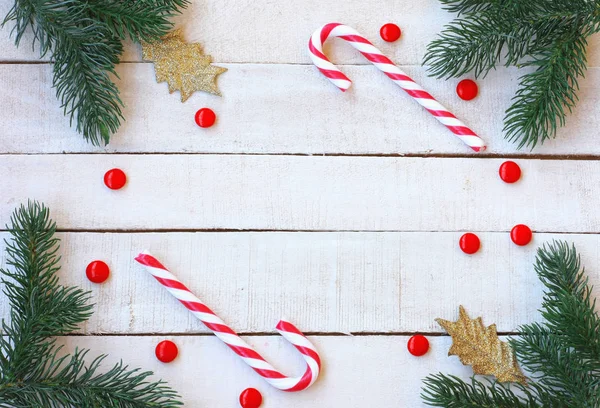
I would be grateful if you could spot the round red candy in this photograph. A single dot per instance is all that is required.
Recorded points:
(205, 118)
(510, 172)
(390, 32)
(97, 271)
(467, 89)
(418, 345)
(250, 398)
(521, 234)
(469, 243)
(115, 179)
(166, 351)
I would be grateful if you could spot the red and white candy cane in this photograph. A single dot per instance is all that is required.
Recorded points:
(235, 342)
(382, 62)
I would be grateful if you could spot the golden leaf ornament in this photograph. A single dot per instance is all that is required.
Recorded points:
(480, 347)
(183, 66)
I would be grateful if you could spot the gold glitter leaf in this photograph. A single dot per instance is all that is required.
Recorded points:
(183, 66)
(480, 347)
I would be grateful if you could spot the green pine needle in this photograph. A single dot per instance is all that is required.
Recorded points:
(85, 40)
(562, 355)
(548, 37)
(34, 372)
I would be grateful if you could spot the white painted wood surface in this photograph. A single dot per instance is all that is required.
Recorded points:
(194, 192)
(371, 371)
(323, 282)
(269, 31)
(259, 114)
(379, 254)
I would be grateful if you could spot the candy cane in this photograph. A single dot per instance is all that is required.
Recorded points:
(235, 342)
(315, 45)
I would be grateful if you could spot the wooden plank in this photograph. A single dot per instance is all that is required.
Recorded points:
(192, 192)
(324, 282)
(375, 117)
(268, 32)
(373, 371)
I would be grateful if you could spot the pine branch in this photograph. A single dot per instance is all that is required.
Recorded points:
(557, 369)
(546, 96)
(563, 355)
(547, 35)
(85, 39)
(568, 307)
(441, 390)
(34, 372)
(142, 20)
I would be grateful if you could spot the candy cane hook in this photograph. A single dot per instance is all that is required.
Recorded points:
(235, 342)
(315, 46)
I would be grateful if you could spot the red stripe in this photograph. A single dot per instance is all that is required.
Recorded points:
(333, 74)
(288, 327)
(269, 373)
(149, 260)
(438, 113)
(315, 51)
(419, 94)
(303, 383)
(378, 58)
(355, 38)
(219, 328)
(326, 30)
(310, 353)
(170, 283)
(196, 307)
(461, 130)
(398, 77)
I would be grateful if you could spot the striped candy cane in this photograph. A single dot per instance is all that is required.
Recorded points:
(235, 342)
(315, 45)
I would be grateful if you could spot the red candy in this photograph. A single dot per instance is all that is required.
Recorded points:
(250, 398)
(467, 89)
(390, 32)
(418, 345)
(97, 271)
(510, 172)
(115, 179)
(521, 234)
(205, 118)
(166, 351)
(469, 243)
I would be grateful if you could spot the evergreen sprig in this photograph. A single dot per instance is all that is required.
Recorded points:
(562, 355)
(547, 36)
(34, 371)
(85, 40)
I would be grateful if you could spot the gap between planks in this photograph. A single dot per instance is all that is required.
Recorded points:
(300, 231)
(514, 156)
(268, 334)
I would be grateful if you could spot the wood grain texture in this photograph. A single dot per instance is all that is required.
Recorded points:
(357, 372)
(259, 114)
(323, 282)
(194, 192)
(268, 31)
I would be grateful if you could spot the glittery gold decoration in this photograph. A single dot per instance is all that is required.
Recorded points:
(480, 347)
(183, 66)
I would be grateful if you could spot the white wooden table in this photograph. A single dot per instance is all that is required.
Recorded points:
(341, 212)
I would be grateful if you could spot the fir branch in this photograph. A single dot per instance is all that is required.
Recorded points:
(547, 35)
(563, 355)
(441, 390)
(84, 38)
(568, 307)
(34, 372)
(142, 20)
(546, 95)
